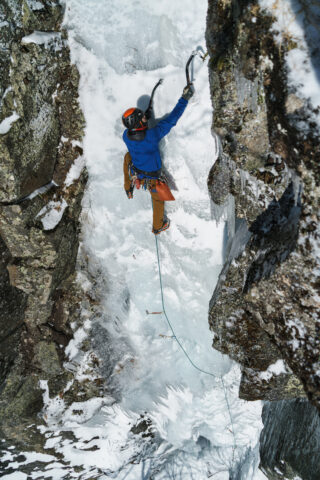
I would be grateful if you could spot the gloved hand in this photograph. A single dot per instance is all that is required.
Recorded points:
(148, 112)
(188, 92)
(130, 192)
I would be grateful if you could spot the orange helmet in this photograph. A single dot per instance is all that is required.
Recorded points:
(132, 118)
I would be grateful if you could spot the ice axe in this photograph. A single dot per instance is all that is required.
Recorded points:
(152, 94)
(193, 54)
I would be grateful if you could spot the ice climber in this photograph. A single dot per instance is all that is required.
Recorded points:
(142, 163)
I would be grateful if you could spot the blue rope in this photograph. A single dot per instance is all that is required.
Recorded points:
(169, 323)
(188, 357)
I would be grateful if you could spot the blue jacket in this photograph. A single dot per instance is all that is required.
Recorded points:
(145, 153)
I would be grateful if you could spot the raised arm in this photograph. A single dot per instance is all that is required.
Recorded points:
(164, 127)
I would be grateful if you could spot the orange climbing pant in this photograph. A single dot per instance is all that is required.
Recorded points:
(157, 204)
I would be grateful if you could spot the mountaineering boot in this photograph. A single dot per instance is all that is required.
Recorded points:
(165, 226)
(130, 192)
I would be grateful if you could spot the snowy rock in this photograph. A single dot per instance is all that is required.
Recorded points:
(38, 294)
(264, 309)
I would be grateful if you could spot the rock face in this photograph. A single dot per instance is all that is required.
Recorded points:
(41, 127)
(265, 309)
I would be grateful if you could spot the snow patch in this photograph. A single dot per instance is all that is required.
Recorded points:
(75, 171)
(74, 345)
(5, 125)
(41, 190)
(51, 214)
(35, 5)
(298, 22)
(274, 369)
(15, 476)
(43, 38)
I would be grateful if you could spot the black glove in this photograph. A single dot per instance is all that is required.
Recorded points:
(148, 112)
(188, 92)
(130, 192)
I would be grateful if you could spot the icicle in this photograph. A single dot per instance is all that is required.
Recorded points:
(243, 179)
(297, 185)
(218, 212)
(231, 216)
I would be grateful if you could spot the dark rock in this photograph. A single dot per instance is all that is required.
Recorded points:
(39, 297)
(290, 440)
(265, 306)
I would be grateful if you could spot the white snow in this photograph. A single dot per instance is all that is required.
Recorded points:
(75, 171)
(51, 214)
(276, 368)
(35, 4)
(41, 38)
(15, 476)
(41, 190)
(296, 332)
(299, 22)
(73, 347)
(151, 371)
(5, 125)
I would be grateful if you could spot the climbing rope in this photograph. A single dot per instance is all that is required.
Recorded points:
(188, 357)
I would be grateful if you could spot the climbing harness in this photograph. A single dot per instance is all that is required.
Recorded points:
(140, 178)
(187, 355)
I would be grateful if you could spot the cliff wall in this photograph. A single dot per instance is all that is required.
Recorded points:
(41, 128)
(265, 309)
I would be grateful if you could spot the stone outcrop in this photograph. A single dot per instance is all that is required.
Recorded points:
(265, 308)
(41, 127)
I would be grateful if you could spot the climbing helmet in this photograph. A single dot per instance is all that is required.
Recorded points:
(132, 119)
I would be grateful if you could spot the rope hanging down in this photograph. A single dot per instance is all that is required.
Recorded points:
(188, 357)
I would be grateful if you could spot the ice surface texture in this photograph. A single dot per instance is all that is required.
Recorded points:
(121, 50)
